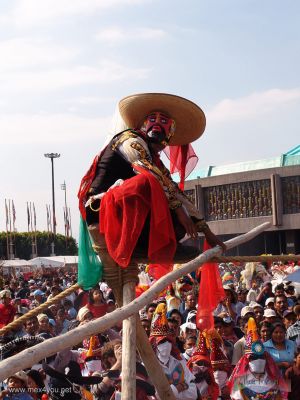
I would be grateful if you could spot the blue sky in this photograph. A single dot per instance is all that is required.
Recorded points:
(66, 63)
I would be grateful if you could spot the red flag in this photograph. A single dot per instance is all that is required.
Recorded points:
(211, 292)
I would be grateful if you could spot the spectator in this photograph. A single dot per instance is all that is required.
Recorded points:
(253, 292)
(270, 316)
(289, 318)
(270, 303)
(35, 384)
(227, 307)
(293, 373)
(16, 387)
(7, 310)
(96, 303)
(241, 300)
(146, 324)
(31, 326)
(150, 308)
(265, 294)
(190, 304)
(282, 350)
(23, 291)
(265, 331)
(293, 332)
(71, 311)
(280, 305)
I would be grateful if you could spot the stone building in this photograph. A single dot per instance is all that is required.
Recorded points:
(235, 198)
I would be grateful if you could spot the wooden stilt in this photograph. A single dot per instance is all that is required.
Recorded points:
(153, 367)
(129, 347)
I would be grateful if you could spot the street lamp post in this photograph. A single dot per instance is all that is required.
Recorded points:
(64, 187)
(52, 156)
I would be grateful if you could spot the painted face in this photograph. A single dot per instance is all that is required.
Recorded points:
(164, 352)
(257, 366)
(158, 127)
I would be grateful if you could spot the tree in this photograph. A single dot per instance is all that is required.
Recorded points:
(23, 244)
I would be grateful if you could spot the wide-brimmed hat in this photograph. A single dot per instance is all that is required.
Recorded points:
(21, 375)
(72, 374)
(189, 118)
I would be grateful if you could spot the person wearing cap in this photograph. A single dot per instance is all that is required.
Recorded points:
(161, 211)
(293, 332)
(38, 296)
(270, 316)
(270, 303)
(16, 387)
(7, 310)
(258, 311)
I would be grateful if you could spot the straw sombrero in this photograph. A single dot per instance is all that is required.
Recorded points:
(189, 118)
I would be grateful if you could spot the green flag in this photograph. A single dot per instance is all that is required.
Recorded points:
(90, 268)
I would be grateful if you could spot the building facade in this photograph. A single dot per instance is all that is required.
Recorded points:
(234, 203)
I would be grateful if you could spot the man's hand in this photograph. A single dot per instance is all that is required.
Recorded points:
(186, 222)
(213, 240)
(181, 387)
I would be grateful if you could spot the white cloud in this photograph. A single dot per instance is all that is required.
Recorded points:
(39, 12)
(53, 79)
(253, 105)
(20, 53)
(50, 128)
(116, 35)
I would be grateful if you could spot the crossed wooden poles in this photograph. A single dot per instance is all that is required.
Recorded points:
(133, 333)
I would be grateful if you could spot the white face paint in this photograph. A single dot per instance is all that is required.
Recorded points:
(257, 366)
(164, 352)
(202, 387)
(220, 378)
(189, 352)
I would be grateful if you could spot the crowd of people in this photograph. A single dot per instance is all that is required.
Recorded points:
(256, 331)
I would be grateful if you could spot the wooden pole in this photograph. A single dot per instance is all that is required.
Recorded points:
(129, 346)
(28, 357)
(152, 364)
(264, 258)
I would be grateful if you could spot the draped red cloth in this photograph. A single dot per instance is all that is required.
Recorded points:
(159, 270)
(272, 370)
(211, 292)
(85, 184)
(183, 159)
(123, 212)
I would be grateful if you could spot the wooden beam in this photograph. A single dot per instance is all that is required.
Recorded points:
(33, 355)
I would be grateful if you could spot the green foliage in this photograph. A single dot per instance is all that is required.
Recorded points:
(23, 245)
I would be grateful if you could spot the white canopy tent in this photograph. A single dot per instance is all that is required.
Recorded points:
(55, 262)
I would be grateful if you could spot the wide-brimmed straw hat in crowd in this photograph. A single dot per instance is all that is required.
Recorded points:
(189, 118)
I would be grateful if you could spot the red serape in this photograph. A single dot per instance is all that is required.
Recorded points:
(242, 367)
(123, 212)
(211, 292)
